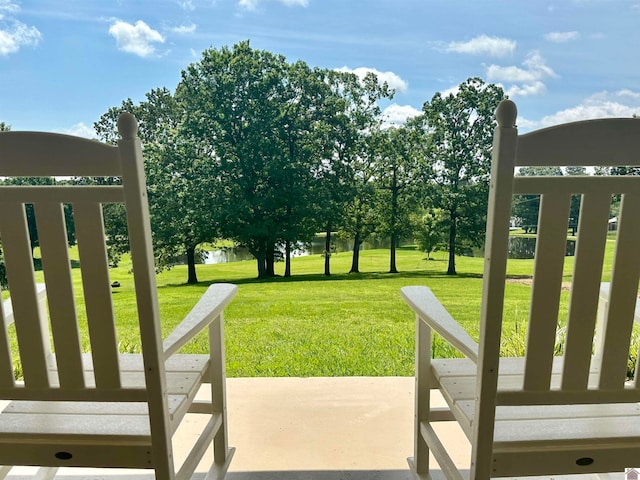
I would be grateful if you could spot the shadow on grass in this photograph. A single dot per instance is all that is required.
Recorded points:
(319, 277)
(37, 264)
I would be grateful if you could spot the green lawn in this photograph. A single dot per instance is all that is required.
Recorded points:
(312, 325)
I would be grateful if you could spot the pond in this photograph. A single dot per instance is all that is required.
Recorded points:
(525, 247)
(237, 254)
(519, 248)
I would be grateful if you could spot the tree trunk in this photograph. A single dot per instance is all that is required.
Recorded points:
(191, 265)
(392, 253)
(327, 252)
(287, 259)
(270, 260)
(451, 269)
(394, 222)
(355, 258)
(261, 261)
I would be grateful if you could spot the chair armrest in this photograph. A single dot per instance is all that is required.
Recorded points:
(605, 288)
(603, 304)
(7, 307)
(208, 308)
(427, 307)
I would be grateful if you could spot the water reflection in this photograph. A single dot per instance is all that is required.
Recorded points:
(228, 255)
(316, 247)
(525, 247)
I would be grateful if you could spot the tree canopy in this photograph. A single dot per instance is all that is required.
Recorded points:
(266, 153)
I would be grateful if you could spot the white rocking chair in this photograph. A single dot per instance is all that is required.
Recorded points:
(101, 408)
(543, 414)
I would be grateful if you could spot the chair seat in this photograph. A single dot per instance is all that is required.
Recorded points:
(570, 432)
(120, 427)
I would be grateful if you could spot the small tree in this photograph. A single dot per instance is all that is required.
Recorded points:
(400, 170)
(429, 230)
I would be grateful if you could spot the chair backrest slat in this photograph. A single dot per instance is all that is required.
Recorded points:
(97, 292)
(33, 339)
(583, 304)
(547, 281)
(52, 237)
(6, 363)
(623, 295)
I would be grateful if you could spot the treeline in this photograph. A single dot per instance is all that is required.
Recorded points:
(267, 153)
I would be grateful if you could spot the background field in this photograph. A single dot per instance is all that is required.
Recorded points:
(342, 325)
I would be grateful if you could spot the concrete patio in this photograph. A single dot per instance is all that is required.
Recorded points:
(355, 428)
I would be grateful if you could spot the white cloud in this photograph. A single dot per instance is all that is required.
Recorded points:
(16, 36)
(561, 37)
(253, 4)
(623, 103)
(13, 33)
(450, 91)
(396, 114)
(80, 130)
(484, 45)
(524, 81)
(187, 5)
(628, 93)
(535, 88)
(393, 80)
(536, 69)
(9, 7)
(248, 4)
(184, 29)
(137, 39)
(510, 74)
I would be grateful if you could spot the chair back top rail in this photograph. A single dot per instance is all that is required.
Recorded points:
(589, 143)
(42, 154)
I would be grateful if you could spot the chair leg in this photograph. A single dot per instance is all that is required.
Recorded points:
(422, 396)
(218, 388)
(219, 470)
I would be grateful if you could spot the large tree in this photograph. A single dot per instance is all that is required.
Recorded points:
(269, 123)
(232, 96)
(309, 109)
(180, 180)
(461, 128)
(351, 126)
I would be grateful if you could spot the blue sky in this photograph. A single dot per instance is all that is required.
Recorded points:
(64, 63)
